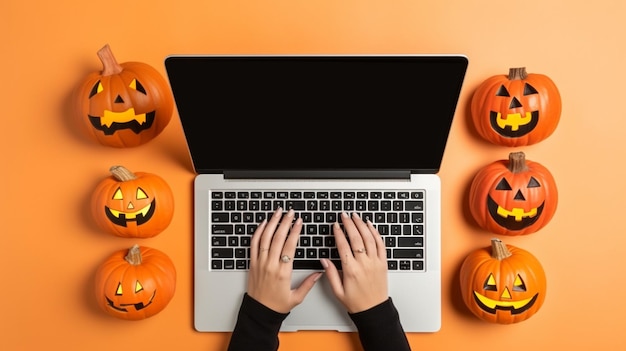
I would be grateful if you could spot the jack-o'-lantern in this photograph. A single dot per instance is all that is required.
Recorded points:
(503, 284)
(136, 283)
(514, 196)
(132, 205)
(516, 110)
(124, 105)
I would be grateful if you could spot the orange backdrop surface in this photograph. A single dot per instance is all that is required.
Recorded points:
(51, 247)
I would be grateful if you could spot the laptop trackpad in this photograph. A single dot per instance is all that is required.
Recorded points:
(320, 310)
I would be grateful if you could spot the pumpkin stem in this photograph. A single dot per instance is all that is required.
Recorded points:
(109, 63)
(122, 173)
(499, 251)
(517, 162)
(134, 255)
(517, 73)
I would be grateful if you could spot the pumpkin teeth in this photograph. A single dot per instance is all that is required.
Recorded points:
(514, 120)
(516, 212)
(131, 215)
(138, 305)
(493, 304)
(139, 217)
(129, 115)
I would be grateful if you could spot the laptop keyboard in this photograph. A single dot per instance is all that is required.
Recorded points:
(398, 216)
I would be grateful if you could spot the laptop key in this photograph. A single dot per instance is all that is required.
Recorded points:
(307, 264)
(408, 253)
(222, 252)
(220, 217)
(219, 241)
(410, 241)
(223, 229)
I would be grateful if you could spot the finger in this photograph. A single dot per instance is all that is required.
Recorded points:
(334, 279)
(381, 250)
(356, 242)
(366, 234)
(254, 242)
(268, 232)
(278, 240)
(307, 284)
(341, 242)
(292, 240)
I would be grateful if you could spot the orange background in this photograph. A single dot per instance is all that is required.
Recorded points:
(51, 246)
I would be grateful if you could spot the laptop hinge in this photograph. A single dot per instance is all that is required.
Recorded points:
(311, 174)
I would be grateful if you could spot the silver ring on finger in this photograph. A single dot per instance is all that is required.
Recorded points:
(285, 259)
(361, 250)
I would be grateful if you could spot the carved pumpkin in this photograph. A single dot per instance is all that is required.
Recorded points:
(135, 284)
(513, 197)
(516, 110)
(502, 284)
(132, 205)
(124, 105)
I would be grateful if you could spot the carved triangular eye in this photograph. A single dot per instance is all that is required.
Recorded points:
(502, 91)
(503, 185)
(138, 286)
(519, 285)
(141, 194)
(533, 183)
(119, 290)
(490, 283)
(118, 195)
(137, 86)
(529, 89)
(96, 89)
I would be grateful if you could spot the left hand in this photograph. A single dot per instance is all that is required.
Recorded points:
(269, 278)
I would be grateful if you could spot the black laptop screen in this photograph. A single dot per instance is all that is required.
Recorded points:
(316, 112)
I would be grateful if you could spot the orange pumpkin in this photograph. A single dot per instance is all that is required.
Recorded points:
(516, 110)
(513, 197)
(132, 205)
(135, 284)
(502, 284)
(124, 105)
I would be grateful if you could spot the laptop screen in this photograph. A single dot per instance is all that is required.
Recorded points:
(299, 112)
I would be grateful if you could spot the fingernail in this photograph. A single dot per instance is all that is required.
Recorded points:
(344, 214)
(318, 276)
(355, 215)
(336, 224)
(324, 263)
(290, 213)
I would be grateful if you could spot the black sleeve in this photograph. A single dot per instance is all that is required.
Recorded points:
(380, 328)
(257, 327)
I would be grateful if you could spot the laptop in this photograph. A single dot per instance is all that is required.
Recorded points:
(321, 134)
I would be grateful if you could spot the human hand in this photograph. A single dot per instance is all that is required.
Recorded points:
(364, 265)
(269, 278)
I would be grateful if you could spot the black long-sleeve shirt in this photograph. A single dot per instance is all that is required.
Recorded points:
(258, 326)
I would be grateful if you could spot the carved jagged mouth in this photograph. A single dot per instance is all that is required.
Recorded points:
(111, 122)
(513, 125)
(515, 307)
(513, 219)
(123, 307)
(122, 218)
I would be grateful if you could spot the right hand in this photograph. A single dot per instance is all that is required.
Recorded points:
(364, 265)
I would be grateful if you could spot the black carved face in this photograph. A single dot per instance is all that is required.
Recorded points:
(514, 120)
